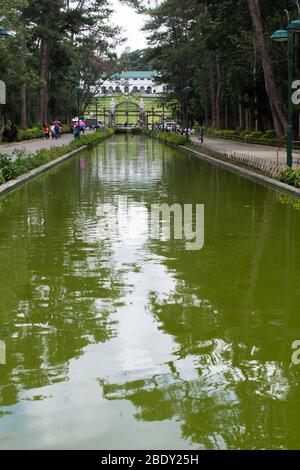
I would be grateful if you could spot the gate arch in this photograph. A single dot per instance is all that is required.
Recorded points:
(127, 113)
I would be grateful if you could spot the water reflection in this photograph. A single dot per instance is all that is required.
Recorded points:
(128, 336)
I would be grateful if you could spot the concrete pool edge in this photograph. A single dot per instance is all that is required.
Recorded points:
(14, 184)
(250, 175)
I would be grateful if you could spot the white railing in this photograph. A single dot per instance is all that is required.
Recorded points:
(267, 167)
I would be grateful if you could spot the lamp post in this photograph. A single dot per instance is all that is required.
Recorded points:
(287, 36)
(187, 90)
(153, 112)
(104, 119)
(3, 33)
(96, 103)
(79, 90)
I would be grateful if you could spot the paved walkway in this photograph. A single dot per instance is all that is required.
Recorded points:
(263, 151)
(32, 146)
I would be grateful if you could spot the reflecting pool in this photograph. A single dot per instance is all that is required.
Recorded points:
(131, 342)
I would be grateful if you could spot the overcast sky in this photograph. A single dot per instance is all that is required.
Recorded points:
(132, 23)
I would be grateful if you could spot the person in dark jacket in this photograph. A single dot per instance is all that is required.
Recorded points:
(10, 134)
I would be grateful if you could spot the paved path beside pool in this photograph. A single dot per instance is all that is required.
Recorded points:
(263, 151)
(32, 146)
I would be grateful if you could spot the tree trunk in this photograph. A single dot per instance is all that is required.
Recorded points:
(213, 95)
(278, 109)
(24, 106)
(42, 112)
(205, 105)
(218, 96)
(240, 113)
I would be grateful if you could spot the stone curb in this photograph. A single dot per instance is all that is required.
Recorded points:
(250, 175)
(12, 185)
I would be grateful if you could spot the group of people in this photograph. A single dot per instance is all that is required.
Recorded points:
(54, 130)
(76, 130)
(178, 129)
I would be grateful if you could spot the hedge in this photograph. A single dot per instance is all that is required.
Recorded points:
(251, 136)
(21, 162)
(166, 137)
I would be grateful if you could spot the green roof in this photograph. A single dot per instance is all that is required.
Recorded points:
(149, 74)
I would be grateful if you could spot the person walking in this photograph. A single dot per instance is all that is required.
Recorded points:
(46, 130)
(56, 131)
(76, 131)
(201, 136)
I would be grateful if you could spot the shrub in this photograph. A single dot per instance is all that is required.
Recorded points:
(290, 176)
(2, 180)
(256, 134)
(66, 129)
(166, 137)
(271, 134)
(267, 138)
(171, 138)
(29, 134)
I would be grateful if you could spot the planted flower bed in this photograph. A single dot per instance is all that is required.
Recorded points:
(166, 137)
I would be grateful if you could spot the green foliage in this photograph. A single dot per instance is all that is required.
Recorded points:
(257, 134)
(194, 43)
(135, 60)
(66, 129)
(271, 134)
(21, 162)
(291, 177)
(71, 38)
(251, 136)
(30, 134)
(166, 137)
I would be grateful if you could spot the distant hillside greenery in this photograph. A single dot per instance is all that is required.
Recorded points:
(135, 60)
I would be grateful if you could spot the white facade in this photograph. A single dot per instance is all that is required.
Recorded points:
(132, 82)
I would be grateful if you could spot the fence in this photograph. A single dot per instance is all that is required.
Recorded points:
(269, 168)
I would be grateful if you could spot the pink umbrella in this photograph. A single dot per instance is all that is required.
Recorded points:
(81, 123)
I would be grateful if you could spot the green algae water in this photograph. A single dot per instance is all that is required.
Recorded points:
(131, 342)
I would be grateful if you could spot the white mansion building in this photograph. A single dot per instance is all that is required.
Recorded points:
(142, 82)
